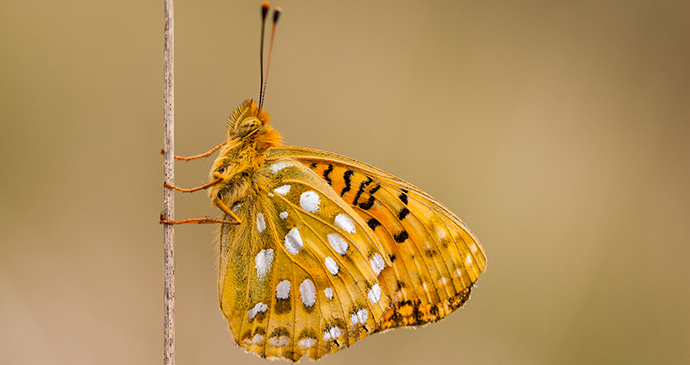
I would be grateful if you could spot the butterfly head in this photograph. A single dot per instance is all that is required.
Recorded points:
(249, 136)
(249, 123)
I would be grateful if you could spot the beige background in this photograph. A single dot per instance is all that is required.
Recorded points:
(559, 131)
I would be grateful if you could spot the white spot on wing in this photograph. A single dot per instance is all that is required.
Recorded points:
(328, 292)
(257, 338)
(293, 241)
(473, 248)
(344, 222)
(440, 232)
(468, 259)
(338, 243)
(359, 317)
(309, 200)
(331, 265)
(442, 281)
(282, 190)
(458, 272)
(333, 333)
(307, 293)
(375, 293)
(264, 259)
(258, 308)
(260, 222)
(306, 343)
(377, 263)
(279, 341)
(277, 166)
(283, 215)
(283, 290)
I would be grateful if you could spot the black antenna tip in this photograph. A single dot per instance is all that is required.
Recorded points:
(264, 9)
(276, 14)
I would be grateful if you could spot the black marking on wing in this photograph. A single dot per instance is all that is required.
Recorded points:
(312, 165)
(326, 173)
(370, 202)
(373, 223)
(403, 213)
(401, 237)
(280, 331)
(403, 196)
(348, 180)
(430, 253)
(362, 185)
(282, 306)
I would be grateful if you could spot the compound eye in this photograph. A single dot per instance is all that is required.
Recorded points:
(248, 126)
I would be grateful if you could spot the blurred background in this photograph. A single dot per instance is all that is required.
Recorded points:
(558, 131)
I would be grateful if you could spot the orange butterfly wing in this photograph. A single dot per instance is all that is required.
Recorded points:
(299, 276)
(435, 257)
(330, 249)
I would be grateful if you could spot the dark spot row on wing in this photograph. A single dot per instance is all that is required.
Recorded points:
(413, 313)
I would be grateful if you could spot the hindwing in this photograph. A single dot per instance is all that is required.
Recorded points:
(302, 275)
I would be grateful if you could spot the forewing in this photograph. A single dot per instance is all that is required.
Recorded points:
(435, 257)
(300, 275)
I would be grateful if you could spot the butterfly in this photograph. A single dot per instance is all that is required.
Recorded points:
(318, 251)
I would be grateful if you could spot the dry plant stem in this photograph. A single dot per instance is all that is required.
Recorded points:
(169, 202)
(206, 154)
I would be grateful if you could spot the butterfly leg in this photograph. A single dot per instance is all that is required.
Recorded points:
(227, 210)
(217, 178)
(207, 219)
(198, 220)
(205, 154)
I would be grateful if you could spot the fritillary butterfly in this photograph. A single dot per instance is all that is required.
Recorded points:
(320, 250)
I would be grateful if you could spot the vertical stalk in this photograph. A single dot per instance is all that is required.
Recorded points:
(169, 197)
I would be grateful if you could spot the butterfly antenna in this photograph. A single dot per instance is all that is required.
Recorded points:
(264, 12)
(276, 16)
